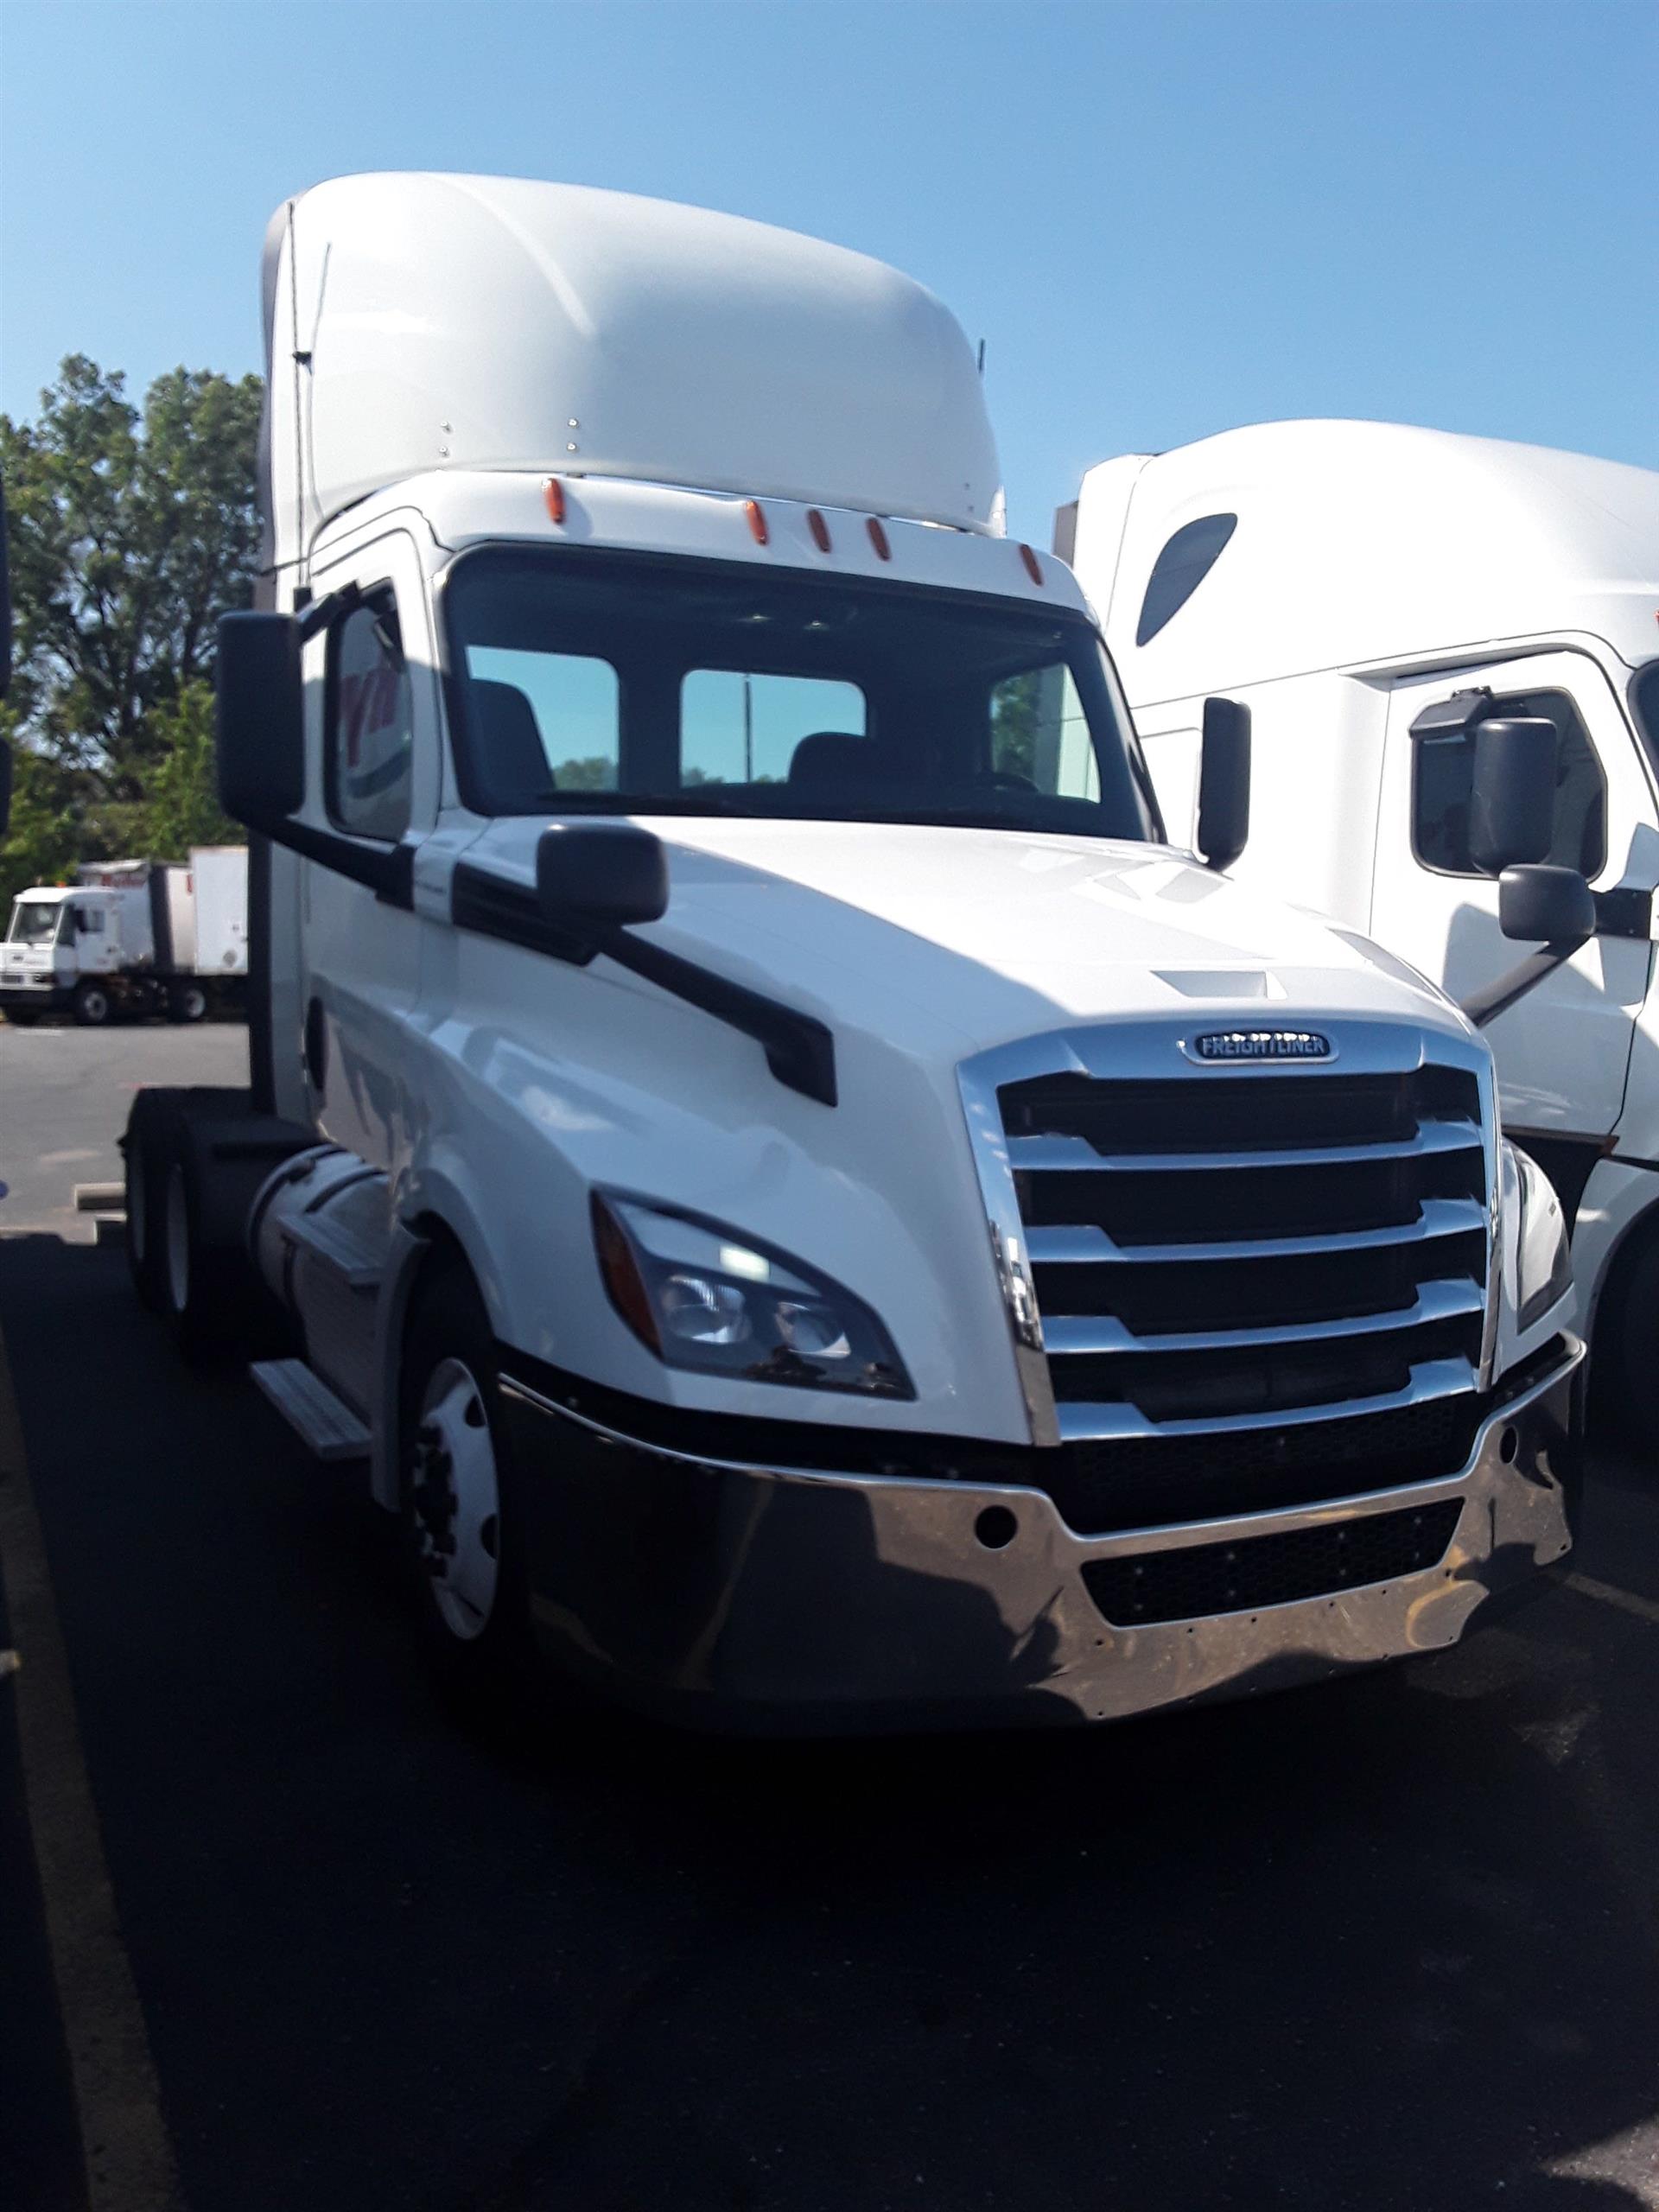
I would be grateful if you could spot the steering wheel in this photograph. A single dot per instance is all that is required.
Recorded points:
(1004, 779)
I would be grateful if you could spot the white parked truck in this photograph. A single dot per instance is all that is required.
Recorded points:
(130, 937)
(812, 1210)
(1380, 596)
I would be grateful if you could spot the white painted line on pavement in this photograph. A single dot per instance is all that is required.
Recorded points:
(1609, 1593)
(129, 2164)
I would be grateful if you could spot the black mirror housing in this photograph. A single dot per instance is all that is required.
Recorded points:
(1225, 782)
(600, 874)
(1512, 794)
(261, 719)
(1546, 906)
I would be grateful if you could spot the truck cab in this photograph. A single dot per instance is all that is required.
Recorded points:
(62, 946)
(1376, 594)
(813, 1210)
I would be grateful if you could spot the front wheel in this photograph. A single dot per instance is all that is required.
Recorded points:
(92, 1005)
(459, 1524)
(186, 1002)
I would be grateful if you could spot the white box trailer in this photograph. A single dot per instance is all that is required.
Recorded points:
(1382, 597)
(130, 938)
(813, 1212)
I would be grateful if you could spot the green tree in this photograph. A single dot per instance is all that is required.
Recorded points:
(131, 532)
(43, 843)
(180, 806)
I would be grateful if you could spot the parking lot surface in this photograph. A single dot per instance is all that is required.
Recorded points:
(1390, 1943)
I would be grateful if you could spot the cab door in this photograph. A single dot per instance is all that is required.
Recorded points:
(1562, 1051)
(372, 751)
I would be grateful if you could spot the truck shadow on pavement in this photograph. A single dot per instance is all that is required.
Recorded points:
(1390, 1943)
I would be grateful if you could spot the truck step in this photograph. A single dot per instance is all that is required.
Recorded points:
(359, 1264)
(325, 1422)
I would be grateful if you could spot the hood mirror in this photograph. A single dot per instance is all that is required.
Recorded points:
(600, 874)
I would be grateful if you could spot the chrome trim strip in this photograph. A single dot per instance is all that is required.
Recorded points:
(1050, 1155)
(1176, 1535)
(1069, 1333)
(1090, 1424)
(1436, 1217)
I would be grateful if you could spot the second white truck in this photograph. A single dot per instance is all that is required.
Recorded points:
(1380, 596)
(129, 938)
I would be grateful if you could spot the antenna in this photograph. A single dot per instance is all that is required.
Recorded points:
(982, 356)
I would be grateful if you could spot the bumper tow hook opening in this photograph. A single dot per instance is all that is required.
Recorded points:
(1508, 1444)
(996, 1528)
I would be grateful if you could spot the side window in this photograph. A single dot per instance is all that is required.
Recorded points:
(548, 723)
(1182, 566)
(1040, 734)
(1443, 772)
(369, 746)
(737, 727)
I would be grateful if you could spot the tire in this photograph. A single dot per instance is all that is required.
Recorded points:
(460, 1526)
(186, 1002)
(1626, 1367)
(210, 1291)
(141, 1148)
(92, 1004)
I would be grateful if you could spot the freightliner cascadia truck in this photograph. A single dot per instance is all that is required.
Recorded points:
(813, 1212)
(1379, 595)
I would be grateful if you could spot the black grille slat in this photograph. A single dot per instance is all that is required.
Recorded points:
(1227, 1293)
(1288, 1200)
(1195, 1385)
(1104, 1486)
(1203, 1579)
(1214, 1113)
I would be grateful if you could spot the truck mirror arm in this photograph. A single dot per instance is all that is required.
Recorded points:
(800, 1049)
(1485, 1005)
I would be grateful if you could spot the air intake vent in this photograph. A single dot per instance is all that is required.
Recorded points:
(1203, 1579)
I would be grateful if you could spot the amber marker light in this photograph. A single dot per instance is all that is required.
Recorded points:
(819, 528)
(878, 539)
(757, 516)
(553, 492)
(1034, 566)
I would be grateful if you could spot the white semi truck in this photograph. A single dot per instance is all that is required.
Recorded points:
(813, 1210)
(1379, 596)
(130, 938)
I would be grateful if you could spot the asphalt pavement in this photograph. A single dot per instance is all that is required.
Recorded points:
(1389, 1943)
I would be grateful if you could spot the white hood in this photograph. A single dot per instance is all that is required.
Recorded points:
(990, 935)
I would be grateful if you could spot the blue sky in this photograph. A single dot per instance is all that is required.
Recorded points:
(1163, 218)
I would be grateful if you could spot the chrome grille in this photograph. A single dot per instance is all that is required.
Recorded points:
(1246, 1245)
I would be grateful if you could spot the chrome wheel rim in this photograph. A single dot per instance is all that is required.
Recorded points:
(456, 1501)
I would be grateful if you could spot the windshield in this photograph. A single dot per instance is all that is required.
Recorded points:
(34, 921)
(609, 684)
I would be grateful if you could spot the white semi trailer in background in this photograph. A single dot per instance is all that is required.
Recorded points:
(813, 1211)
(1379, 596)
(130, 937)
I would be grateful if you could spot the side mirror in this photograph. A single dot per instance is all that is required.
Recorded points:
(600, 874)
(1225, 782)
(261, 730)
(1546, 906)
(1512, 794)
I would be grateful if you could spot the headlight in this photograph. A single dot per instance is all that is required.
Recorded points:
(714, 1300)
(1543, 1265)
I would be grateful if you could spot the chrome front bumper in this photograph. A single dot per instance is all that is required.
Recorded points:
(764, 1598)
